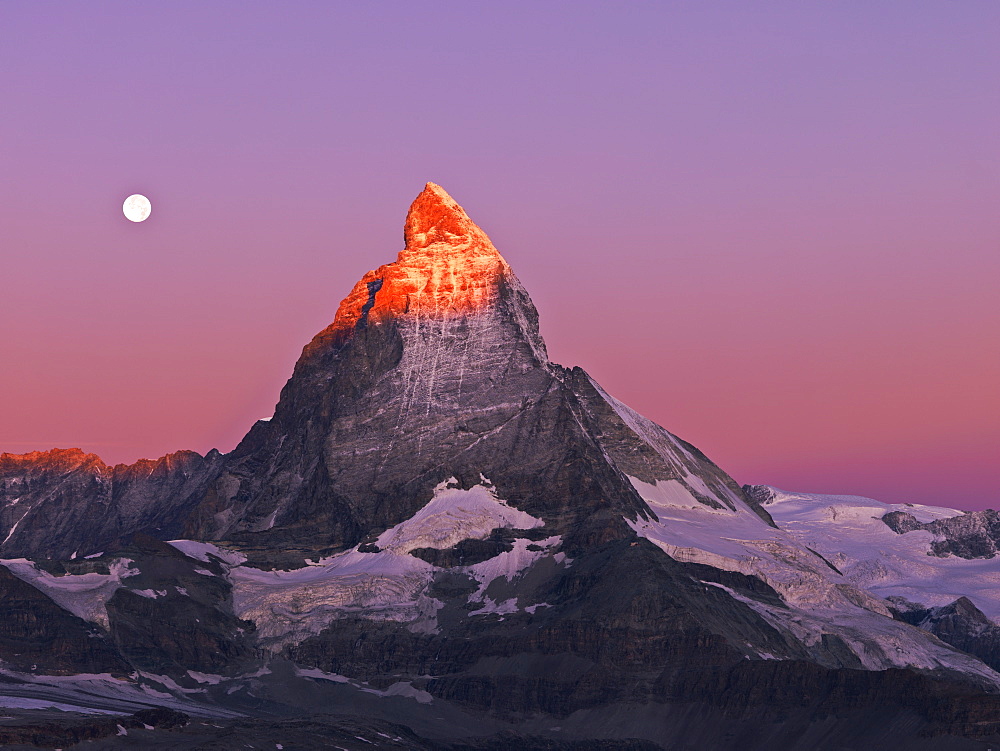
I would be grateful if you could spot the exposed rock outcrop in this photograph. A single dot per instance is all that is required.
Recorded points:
(962, 625)
(174, 615)
(972, 535)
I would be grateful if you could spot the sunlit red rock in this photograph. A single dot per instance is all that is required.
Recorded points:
(448, 267)
(54, 460)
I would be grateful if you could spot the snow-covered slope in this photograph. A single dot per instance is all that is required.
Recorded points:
(382, 581)
(821, 601)
(849, 532)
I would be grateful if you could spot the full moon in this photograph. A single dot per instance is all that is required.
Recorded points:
(136, 208)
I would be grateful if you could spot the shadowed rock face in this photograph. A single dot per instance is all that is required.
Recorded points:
(174, 616)
(962, 625)
(49, 730)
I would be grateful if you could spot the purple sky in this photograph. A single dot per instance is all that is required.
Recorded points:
(771, 227)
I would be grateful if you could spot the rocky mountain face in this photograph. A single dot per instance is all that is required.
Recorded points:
(65, 502)
(36, 635)
(960, 624)
(441, 528)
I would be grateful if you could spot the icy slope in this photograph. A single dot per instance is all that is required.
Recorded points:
(849, 532)
(822, 603)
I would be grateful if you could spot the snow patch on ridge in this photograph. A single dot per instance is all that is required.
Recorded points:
(453, 515)
(508, 565)
(674, 453)
(201, 551)
(497, 608)
(401, 688)
(691, 531)
(151, 594)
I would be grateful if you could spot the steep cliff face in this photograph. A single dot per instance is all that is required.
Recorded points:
(36, 635)
(960, 624)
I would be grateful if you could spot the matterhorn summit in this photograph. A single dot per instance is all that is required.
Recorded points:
(448, 267)
(441, 537)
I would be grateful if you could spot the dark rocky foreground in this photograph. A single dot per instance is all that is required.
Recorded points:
(576, 627)
(679, 726)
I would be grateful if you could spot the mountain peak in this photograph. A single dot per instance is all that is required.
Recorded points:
(447, 267)
(436, 218)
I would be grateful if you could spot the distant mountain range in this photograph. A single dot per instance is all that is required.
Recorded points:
(441, 539)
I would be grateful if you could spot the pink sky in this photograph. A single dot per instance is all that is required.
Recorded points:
(772, 229)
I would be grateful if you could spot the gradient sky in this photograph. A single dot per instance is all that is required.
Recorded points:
(771, 227)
